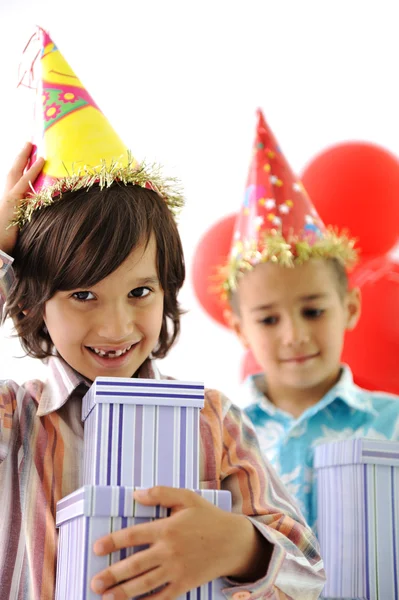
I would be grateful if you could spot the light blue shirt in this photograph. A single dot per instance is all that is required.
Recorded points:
(346, 411)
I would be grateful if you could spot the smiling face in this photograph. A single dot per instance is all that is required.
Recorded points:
(109, 329)
(85, 261)
(294, 321)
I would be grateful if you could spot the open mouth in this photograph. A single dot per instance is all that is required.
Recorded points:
(110, 353)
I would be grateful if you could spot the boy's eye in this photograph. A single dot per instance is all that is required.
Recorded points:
(269, 321)
(312, 313)
(140, 292)
(82, 296)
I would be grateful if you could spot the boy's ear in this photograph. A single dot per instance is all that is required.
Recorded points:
(354, 304)
(234, 322)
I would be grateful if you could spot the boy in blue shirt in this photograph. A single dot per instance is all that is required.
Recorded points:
(287, 286)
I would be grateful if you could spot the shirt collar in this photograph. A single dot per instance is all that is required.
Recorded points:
(252, 395)
(63, 381)
(345, 390)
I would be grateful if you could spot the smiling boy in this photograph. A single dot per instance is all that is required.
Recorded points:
(91, 278)
(292, 304)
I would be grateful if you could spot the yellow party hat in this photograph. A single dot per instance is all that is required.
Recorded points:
(76, 139)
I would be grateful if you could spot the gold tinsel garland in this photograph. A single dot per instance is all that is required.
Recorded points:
(275, 248)
(143, 175)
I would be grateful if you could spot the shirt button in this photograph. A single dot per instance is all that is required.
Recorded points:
(243, 595)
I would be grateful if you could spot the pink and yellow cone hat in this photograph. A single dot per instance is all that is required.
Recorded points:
(80, 146)
(277, 221)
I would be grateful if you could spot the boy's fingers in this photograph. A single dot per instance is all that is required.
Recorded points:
(137, 535)
(17, 188)
(17, 181)
(123, 570)
(166, 496)
(21, 187)
(138, 586)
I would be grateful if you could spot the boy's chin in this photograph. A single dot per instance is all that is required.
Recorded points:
(90, 370)
(91, 374)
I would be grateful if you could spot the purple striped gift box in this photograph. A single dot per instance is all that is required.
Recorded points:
(142, 432)
(93, 511)
(358, 518)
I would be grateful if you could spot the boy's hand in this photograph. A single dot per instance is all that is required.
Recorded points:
(197, 543)
(17, 187)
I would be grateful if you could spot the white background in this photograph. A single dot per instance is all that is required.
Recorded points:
(180, 82)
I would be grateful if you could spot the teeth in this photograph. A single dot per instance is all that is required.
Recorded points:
(111, 353)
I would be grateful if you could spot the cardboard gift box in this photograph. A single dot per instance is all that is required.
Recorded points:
(142, 432)
(94, 511)
(358, 518)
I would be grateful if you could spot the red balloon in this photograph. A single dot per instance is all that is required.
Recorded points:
(249, 365)
(372, 348)
(355, 186)
(211, 253)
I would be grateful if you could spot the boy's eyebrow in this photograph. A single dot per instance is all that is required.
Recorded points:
(263, 307)
(307, 298)
(141, 281)
(313, 297)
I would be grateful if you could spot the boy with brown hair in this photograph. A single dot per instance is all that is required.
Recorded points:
(287, 285)
(92, 289)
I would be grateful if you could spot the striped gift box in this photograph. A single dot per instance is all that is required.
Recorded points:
(358, 518)
(94, 511)
(154, 422)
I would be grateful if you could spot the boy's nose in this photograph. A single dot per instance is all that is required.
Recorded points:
(116, 324)
(295, 333)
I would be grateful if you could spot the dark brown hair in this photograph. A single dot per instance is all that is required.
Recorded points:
(82, 239)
